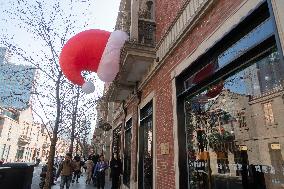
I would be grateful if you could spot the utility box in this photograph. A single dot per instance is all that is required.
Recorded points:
(16, 175)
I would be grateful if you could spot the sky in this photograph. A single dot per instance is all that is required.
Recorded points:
(99, 14)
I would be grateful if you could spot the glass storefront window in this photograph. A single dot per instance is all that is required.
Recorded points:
(259, 34)
(234, 129)
(246, 43)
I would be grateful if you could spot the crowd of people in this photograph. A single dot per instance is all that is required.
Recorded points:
(95, 167)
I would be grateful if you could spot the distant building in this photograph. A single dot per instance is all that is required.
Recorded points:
(23, 140)
(15, 83)
(2, 54)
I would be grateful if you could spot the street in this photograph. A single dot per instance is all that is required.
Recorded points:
(80, 185)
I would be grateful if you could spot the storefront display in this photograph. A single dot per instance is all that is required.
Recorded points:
(233, 113)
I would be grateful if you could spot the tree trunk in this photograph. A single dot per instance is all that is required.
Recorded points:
(77, 147)
(50, 164)
(73, 124)
(85, 149)
(49, 174)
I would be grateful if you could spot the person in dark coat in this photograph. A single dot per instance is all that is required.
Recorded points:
(116, 170)
(99, 172)
(77, 168)
(95, 159)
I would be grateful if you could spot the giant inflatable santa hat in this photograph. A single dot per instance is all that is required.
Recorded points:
(92, 50)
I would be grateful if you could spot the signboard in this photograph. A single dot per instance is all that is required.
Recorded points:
(165, 149)
(275, 146)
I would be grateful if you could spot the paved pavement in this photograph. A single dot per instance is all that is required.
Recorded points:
(36, 178)
(80, 185)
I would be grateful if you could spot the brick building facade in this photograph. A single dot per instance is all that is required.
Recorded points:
(179, 51)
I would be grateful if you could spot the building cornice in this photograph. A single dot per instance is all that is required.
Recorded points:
(186, 20)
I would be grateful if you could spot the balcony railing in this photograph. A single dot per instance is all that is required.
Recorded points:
(23, 140)
(146, 32)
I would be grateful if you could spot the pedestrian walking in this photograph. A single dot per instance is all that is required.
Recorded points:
(116, 171)
(99, 172)
(66, 169)
(89, 169)
(95, 159)
(77, 169)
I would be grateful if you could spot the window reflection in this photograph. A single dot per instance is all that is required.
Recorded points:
(259, 34)
(235, 129)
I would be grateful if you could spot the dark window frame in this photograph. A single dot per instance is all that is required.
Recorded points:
(127, 160)
(146, 115)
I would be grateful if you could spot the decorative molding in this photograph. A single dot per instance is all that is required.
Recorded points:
(175, 133)
(278, 10)
(185, 22)
(241, 12)
(192, 10)
(147, 99)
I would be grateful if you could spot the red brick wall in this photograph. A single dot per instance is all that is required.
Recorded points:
(166, 12)
(161, 82)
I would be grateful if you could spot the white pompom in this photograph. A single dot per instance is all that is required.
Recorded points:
(88, 87)
(109, 64)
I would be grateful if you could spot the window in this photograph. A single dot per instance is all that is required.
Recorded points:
(145, 172)
(256, 36)
(116, 140)
(268, 113)
(241, 119)
(127, 153)
(213, 121)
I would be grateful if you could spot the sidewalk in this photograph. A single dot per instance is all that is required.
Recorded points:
(82, 184)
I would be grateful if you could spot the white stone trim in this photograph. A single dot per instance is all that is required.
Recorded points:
(175, 134)
(154, 143)
(241, 12)
(134, 20)
(146, 101)
(192, 9)
(117, 125)
(278, 10)
(128, 117)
